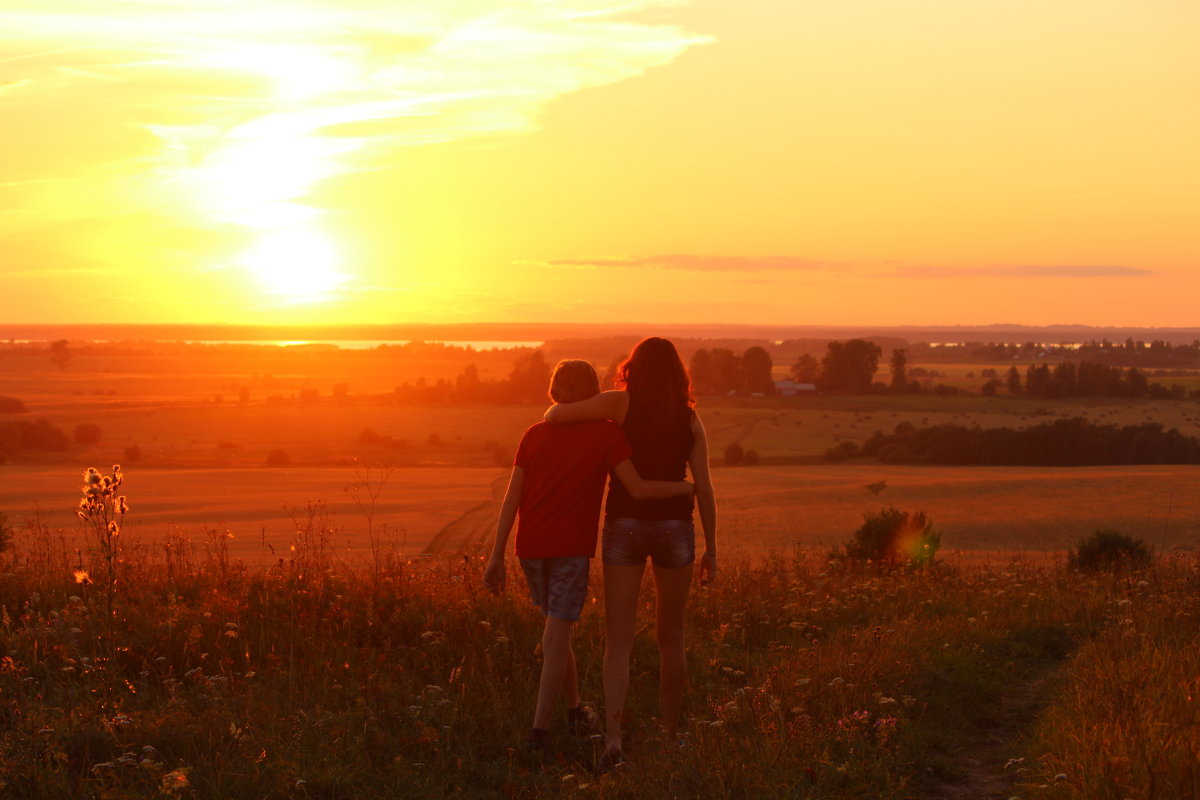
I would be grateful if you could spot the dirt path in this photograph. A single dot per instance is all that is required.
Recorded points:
(984, 758)
(473, 528)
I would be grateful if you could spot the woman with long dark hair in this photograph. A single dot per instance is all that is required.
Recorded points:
(654, 405)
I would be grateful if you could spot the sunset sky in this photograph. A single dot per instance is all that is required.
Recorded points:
(778, 161)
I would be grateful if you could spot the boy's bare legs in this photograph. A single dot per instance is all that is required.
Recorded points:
(558, 670)
(621, 587)
(570, 684)
(671, 586)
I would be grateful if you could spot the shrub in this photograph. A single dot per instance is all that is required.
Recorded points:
(11, 405)
(894, 537)
(87, 433)
(278, 458)
(39, 434)
(841, 451)
(435, 441)
(309, 395)
(6, 533)
(751, 459)
(133, 453)
(734, 455)
(1107, 549)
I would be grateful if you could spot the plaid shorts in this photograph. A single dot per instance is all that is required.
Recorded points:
(558, 586)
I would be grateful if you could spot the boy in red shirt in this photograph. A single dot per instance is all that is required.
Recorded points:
(556, 487)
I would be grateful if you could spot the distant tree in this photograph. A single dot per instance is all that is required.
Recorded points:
(726, 371)
(989, 387)
(340, 392)
(1136, 382)
(60, 354)
(87, 433)
(1037, 376)
(467, 386)
(530, 378)
(899, 363)
(278, 458)
(1012, 380)
(806, 369)
(756, 371)
(704, 380)
(850, 366)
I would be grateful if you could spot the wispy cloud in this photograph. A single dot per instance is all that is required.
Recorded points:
(223, 112)
(1025, 271)
(693, 263)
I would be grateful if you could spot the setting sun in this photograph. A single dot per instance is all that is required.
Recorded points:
(297, 265)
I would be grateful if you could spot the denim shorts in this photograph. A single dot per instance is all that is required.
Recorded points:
(558, 586)
(669, 543)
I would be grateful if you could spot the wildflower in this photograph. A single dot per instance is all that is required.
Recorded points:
(175, 781)
(82, 577)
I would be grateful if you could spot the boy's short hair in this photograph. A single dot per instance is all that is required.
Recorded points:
(573, 380)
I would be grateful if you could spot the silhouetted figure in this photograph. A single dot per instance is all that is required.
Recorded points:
(655, 408)
(555, 489)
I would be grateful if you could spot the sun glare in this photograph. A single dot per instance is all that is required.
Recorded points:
(297, 265)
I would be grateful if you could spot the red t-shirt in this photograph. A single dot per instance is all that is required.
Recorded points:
(565, 466)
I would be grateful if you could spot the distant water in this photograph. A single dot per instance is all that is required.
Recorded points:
(341, 344)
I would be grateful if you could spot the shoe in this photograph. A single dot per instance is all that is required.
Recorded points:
(581, 720)
(537, 742)
(610, 761)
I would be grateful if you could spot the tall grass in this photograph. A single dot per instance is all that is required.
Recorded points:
(314, 679)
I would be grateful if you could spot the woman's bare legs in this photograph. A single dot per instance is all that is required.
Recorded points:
(671, 588)
(621, 587)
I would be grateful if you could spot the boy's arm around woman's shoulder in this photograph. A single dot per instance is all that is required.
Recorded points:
(607, 405)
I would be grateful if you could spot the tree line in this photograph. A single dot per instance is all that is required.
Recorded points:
(1083, 379)
(1062, 443)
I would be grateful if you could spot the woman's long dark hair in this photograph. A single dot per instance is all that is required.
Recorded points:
(656, 379)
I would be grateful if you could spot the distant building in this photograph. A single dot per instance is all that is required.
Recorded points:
(791, 388)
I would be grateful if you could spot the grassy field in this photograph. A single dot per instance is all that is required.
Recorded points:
(270, 637)
(315, 678)
(764, 510)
